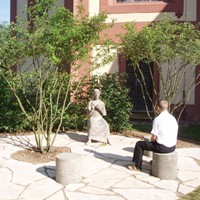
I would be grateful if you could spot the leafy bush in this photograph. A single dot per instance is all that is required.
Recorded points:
(76, 116)
(115, 96)
(11, 117)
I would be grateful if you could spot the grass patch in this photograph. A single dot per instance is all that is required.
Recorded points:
(192, 196)
(142, 127)
(191, 132)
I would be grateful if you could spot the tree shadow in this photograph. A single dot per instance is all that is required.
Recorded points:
(113, 159)
(20, 141)
(108, 156)
(119, 160)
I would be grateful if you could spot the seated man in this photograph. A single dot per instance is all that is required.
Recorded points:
(163, 139)
(98, 128)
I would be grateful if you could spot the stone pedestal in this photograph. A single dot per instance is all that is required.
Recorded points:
(148, 153)
(164, 165)
(68, 168)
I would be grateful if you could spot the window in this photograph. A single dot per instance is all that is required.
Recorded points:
(118, 1)
(142, 6)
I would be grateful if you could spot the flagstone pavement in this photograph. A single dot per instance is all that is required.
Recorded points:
(104, 172)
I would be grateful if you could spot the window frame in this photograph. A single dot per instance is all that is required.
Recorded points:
(114, 7)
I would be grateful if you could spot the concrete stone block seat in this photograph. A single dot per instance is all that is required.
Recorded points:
(68, 168)
(164, 165)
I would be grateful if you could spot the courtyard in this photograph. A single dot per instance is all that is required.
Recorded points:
(104, 172)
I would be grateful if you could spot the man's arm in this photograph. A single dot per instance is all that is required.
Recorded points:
(153, 138)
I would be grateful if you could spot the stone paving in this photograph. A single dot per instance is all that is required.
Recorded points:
(104, 171)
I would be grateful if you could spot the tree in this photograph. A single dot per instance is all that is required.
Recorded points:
(37, 54)
(175, 50)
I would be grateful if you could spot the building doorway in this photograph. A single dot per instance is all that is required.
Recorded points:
(133, 84)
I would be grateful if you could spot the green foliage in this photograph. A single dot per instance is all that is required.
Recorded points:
(11, 117)
(116, 99)
(36, 54)
(115, 96)
(191, 131)
(76, 117)
(174, 48)
(69, 40)
(195, 195)
(142, 127)
(163, 41)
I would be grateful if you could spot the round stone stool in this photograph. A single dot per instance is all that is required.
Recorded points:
(148, 153)
(68, 168)
(164, 165)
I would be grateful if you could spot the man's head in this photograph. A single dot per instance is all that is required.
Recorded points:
(163, 105)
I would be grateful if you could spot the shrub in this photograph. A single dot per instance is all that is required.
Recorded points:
(115, 96)
(76, 116)
(11, 117)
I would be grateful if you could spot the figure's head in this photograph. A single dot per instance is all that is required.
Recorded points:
(162, 105)
(97, 93)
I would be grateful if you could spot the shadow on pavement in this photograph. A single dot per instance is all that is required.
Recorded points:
(129, 149)
(49, 171)
(119, 160)
(20, 141)
(77, 137)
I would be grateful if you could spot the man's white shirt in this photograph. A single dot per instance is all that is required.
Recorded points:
(165, 127)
